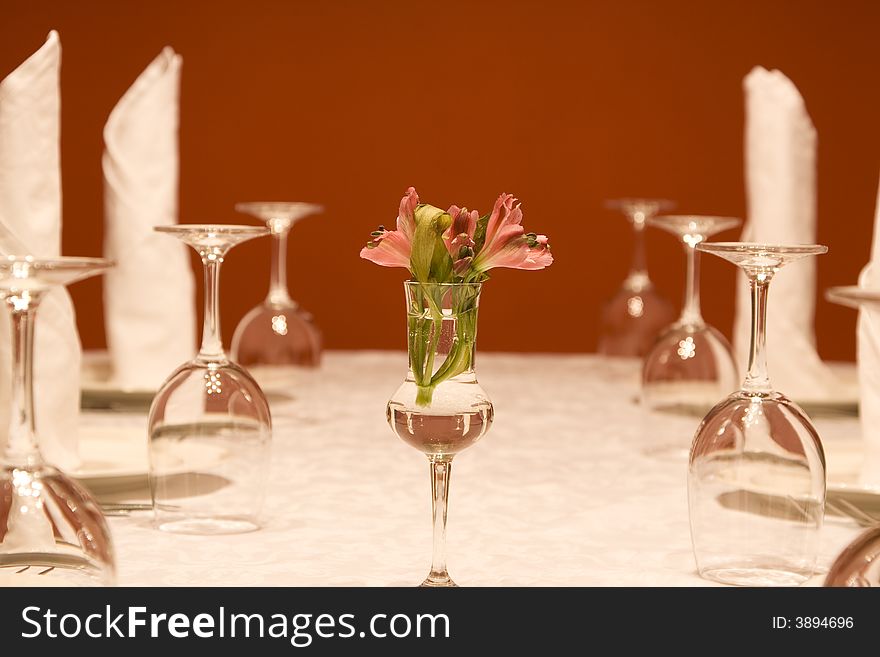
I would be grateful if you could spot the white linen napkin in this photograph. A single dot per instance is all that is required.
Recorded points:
(780, 158)
(30, 224)
(149, 295)
(868, 347)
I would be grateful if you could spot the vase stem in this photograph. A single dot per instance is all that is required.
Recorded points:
(440, 471)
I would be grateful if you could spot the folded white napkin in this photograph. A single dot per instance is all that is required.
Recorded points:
(149, 295)
(30, 224)
(868, 341)
(780, 157)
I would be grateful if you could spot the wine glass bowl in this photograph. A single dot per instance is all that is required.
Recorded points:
(278, 333)
(52, 532)
(691, 365)
(632, 318)
(751, 453)
(687, 370)
(210, 416)
(756, 472)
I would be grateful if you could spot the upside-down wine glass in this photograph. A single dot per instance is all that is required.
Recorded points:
(691, 364)
(636, 313)
(865, 299)
(756, 476)
(52, 532)
(210, 427)
(278, 333)
(440, 409)
(858, 566)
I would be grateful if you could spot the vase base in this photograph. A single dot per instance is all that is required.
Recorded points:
(438, 582)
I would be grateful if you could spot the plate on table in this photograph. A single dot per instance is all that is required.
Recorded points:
(842, 400)
(114, 458)
(847, 475)
(98, 391)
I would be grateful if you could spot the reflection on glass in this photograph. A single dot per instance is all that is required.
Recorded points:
(210, 427)
(756, 477)
(635, 315)
(52, 532)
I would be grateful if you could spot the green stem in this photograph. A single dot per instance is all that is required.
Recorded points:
(458, 359)
(423, 377)
(437, 321)
(424, 395)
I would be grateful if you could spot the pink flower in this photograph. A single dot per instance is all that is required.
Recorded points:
(507, 244)
(459, 237)
(393, 248)
(475, 244)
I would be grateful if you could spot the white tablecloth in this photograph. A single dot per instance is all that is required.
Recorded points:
(561, 491)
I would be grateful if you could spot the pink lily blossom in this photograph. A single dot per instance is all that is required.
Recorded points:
(393, 248)
(459, 238)
(507, 244)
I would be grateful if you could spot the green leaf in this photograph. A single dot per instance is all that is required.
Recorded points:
(430, 261)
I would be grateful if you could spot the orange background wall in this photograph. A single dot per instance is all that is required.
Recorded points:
(565, 104)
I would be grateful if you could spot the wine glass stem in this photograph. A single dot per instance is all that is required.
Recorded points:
(757, 379)
(21, 448)
(637, 279)
(440, 471)
(278, 293)
(690, 313)
(212, 344)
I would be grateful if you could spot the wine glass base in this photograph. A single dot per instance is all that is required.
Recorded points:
(757, 576)
(50, 569)
(208, 526)
(434, 582)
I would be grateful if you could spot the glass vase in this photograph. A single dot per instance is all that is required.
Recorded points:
(440, 409)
